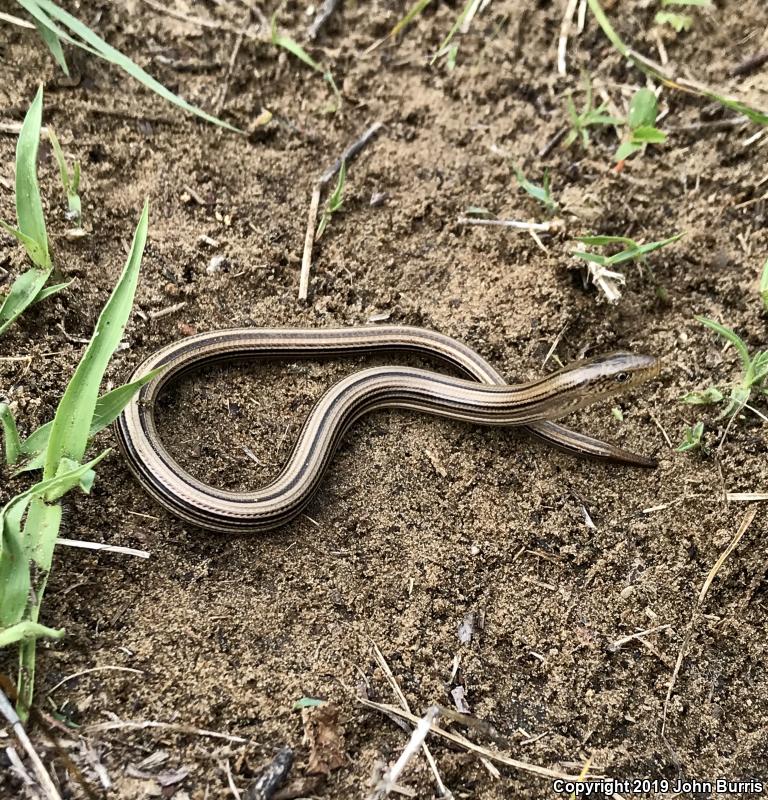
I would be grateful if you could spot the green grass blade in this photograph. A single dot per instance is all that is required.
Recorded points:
(72, 423)
(608, 29)
(60, 160)
(54, 45)
(35, 252)
(452, 32)
(109, 53)
(410, 15)
(639, 250)
(108, 408)
(23, 292)
(29, 208)
(601, 241)
(14, 572)
(294, 48)
(595, 258)
(34, 10)
(764, 286)
(10, 435)
(730, 336)
(28, 630)
(50, 290)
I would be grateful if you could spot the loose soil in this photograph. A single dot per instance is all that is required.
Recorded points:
(421, 526)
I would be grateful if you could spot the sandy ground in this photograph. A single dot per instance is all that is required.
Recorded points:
(423, 529)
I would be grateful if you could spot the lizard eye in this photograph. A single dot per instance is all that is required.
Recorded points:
(622, 377)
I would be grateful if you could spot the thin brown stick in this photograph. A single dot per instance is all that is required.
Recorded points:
(21, 23)
(754, 62)
(200, 21)
(314, 203)
(43, 778)
(745, 523)
(327, 9)
(309, 240)
(228, 76)
(119, 724)
(500, 758)
(442, 791)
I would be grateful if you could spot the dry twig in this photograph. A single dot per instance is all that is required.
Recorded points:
(324, 179)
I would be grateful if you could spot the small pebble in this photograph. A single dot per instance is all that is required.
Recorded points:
(216, 264)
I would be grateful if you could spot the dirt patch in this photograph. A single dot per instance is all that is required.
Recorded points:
(420, 524)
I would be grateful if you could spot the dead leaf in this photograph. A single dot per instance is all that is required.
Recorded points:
(324, 735)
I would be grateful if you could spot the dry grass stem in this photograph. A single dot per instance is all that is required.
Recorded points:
(745, 523)
(499, 758)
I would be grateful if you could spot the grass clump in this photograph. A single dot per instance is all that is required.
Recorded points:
(692, 439)
(632, 250)
(677, 20)
(294, 48)
(70, 182)
(51, 22)
(447, 48)
(542, 193)
(660, 73)
(335, 201)
(30, 521)
(601, 266)
(753, 378)
(588, 117)
(29, 287)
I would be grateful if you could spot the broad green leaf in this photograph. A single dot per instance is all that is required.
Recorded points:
(647, 134)
(759, 366)
(308, 702)
(28, 630)
(680, 22)
(642, 109)
(54, 45)
(625, 150)
(44, 10)
(707, 397)
(691, 438)
(72, 422)
(739, 398)
(22, 294)
(29, 208)
(730, 336)
(753, 114)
